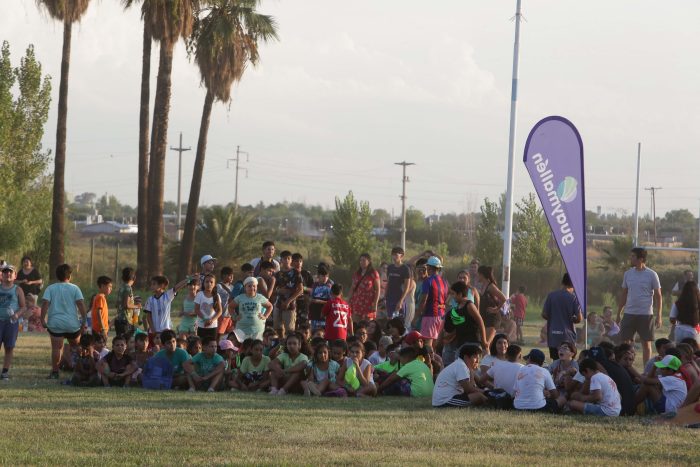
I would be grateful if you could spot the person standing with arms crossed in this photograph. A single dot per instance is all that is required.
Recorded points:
(641, 293)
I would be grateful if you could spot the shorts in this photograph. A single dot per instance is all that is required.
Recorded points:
(518, 321)
(459, 400)
(66, 335)
(593, 409)
(431, 326)
(550, 406)
(225, 325)
(491, 320)
(207, 333)
(286, 319)
(8, 333)
(639, 324)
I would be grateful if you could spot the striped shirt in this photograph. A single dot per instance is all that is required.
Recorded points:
(159, 309)
(435, 289)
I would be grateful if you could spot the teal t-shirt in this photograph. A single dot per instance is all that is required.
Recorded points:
(248, 316)
(63, 314)
(204, 365)
(178, 357)
(187, 322)
(420, 377)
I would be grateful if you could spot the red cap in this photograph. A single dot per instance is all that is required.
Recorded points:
(412, 337)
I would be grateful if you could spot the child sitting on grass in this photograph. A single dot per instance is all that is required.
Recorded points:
(33, 314)
(666, 392)
(139, 357)
(194, 345)
(287, 369)
(230, 354)
(321, 372)
(413, 378)
(206, 369)
(662, 344)
(177, 356)
(503, 373)
(381, 354)
(254, 373)
(389, 366)
(356, 373)
(455, 386)
(85, 373)
(603, 398)
(117, 367)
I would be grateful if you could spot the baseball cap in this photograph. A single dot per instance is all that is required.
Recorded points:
(206, 258)
(669, 361)
(240, 335)
(412, 337)
(8, 267)
(435, 262)
(535, 356)
(250, 280)
(227, 345)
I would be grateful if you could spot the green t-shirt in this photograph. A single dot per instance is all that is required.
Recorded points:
(178, 357)
(248, 315)
(249, 367)
(124, 291)
(287, 362)
(187, 322)
(387, 367)
(420, 377)
(63, 312)
(204, 365)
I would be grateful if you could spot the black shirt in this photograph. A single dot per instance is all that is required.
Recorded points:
(33, 275)
(463, 324)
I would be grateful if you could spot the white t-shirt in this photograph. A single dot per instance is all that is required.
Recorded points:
(206, 309)
(504, 373)
(447, 384)
(530, 384)
(375, 359)
(683, 327)
(675, 391)
(640, 287)
(610, 401)
(159, 308)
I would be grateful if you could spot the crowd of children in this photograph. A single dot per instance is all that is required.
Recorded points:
(281, 330)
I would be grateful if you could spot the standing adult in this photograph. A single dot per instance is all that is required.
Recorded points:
(61, 303)
(688, 276)
(12, 307)
(364, 296)
(491, 301)
(685, 313)
(398, 284)
(268, 254)
(207, 264)
(641, 292)
(561, 311)
(432, 302)
(28, 278)
(473, 273)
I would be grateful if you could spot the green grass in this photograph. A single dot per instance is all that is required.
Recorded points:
(46, 423)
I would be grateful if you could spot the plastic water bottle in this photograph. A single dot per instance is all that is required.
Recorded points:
(88, 322)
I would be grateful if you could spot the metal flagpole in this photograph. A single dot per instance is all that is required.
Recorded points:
(508, 232)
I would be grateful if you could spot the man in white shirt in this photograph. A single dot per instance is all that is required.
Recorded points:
(603, 398)
(641, 292)
(534, 387)
(454, 386)
(503, 373)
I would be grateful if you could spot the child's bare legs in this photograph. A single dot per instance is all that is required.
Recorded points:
(519, 332)
(103, 371)
(216, 379)
(306, 385)
(276, 377)
(478, 398)
(291, 380)
(179, 382)
(490, 333)
(56, 352)
(235, 384)
(651, 391)
(367, 391)
(7, 361)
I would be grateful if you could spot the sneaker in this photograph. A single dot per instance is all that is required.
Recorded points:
(281, 392)
(5, 376)
(211, 390)
(273, 391)
(53, 375)
(191, 390)
(307, 393)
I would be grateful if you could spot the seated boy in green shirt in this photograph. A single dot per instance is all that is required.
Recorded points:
(206, 369)
(413, 378)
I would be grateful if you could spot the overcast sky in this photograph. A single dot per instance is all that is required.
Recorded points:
(353, 87)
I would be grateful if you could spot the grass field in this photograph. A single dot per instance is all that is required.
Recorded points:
(46, 423)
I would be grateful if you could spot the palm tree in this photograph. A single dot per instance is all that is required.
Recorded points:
(165, 21)
(144, 110)
(68, 11)
(225, 40)
(225, 233)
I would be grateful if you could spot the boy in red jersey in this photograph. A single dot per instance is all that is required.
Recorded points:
(337, 314)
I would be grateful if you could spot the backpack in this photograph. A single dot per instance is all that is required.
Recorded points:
(157, 373)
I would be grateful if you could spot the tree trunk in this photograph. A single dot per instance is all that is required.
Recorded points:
(142, 217)
(156, 173)
(187, 245)
(57, 257)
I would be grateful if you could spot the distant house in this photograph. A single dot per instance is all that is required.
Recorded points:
(108, 228)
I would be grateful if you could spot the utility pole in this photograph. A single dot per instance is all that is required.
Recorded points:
(180, 150)
(636, 198)
(403, 202)
(653, 190)
(237, 160)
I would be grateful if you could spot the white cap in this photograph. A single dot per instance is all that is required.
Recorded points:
(206, 258)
